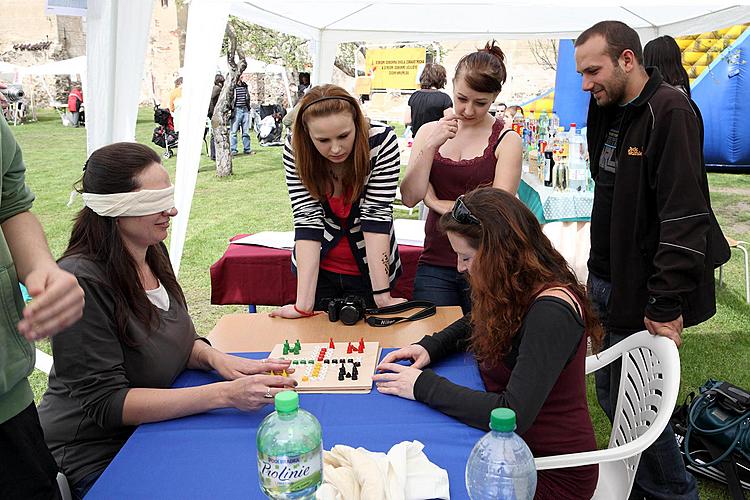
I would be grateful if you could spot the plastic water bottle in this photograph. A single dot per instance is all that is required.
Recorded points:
(501, 466)
(577, 160)
(290, 451)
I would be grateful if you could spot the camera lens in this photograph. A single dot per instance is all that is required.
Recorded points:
(349, 314)
(13, 93)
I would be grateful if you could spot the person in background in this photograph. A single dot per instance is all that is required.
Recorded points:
(664, 53)
(241, 118)
(500, 109)
(531, 349)
(342, 175)
(27, 469)
(428, 103)
(654, 238)
(510, 113)
(175, 102)
(75, 100)
(115, 367)
(215, 92)
(465, 149)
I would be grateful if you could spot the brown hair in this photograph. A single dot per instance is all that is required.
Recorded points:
(619, 37)
(312, 168)
(483, 70)
(514, 262)
(113, 169)
(433, 75)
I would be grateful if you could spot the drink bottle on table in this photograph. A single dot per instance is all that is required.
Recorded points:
(290, 451)
(501, 467)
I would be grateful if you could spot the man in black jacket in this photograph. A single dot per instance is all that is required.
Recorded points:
(652, 258)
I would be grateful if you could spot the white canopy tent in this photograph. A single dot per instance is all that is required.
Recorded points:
(326, 24)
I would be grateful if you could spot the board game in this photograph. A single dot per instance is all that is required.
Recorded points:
(333, 367)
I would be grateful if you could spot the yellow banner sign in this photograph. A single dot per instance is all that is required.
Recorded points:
(394, 68)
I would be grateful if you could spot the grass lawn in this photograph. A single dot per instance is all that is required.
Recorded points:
(255, 199)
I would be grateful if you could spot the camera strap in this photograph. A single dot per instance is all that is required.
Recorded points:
(427, 309)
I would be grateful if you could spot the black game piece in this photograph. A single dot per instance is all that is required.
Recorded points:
(357, 363)
(348, 375)
(341, 376)
(335, 361)
(341, 360)
(327, 361)
(354, 376)
(350, 360)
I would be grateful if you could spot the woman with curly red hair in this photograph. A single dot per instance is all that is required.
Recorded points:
(528, 330)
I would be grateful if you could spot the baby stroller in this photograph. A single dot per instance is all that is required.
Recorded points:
(269, 130)
(165, 135)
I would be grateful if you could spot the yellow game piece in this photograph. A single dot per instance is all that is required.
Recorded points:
(304, 378)
(272, 373)
(284, 374)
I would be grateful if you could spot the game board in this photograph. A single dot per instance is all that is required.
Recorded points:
(342, 367)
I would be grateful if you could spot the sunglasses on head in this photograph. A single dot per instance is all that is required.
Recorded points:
(462, 214)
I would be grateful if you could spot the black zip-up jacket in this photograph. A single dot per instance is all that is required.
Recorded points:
(664, 239)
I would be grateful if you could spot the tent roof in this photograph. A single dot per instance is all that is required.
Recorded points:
(74, 66)
(425, 20)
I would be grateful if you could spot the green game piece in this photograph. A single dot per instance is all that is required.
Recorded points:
(285, 349)
(297, 345)
(295, 362)
(303, 361)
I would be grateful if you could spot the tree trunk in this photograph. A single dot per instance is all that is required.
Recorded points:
(221, 119)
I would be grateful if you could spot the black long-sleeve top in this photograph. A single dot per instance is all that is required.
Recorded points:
(547, 341)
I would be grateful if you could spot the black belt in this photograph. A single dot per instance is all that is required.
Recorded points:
(427, 309)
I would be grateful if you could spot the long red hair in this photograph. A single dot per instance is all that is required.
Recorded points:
(312, 167)
(514, 262)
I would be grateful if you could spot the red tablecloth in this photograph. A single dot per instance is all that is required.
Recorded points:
(249, 274)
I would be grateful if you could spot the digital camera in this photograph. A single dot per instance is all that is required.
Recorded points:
(349, 309)
(13, 93)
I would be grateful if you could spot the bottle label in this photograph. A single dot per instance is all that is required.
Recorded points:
(290, 473)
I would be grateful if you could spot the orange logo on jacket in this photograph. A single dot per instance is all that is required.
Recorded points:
(634, 151)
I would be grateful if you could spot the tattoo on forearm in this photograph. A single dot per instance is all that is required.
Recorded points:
(386, 264)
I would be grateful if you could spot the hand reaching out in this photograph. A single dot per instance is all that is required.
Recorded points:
(57, 302)
(233, 367)
(415, 353)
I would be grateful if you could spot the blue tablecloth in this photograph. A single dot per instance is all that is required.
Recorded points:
(550, 205)
(213, 455)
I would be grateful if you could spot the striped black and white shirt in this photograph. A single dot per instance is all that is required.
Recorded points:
(372, 212)
(240, 96)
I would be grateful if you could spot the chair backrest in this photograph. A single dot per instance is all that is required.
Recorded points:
(649, 383)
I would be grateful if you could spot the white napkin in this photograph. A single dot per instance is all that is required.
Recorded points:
(404, 473)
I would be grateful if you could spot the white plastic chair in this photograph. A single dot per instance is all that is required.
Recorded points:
(64, 487)
(649, 384)
(741, 246)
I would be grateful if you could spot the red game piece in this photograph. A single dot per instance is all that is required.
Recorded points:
(361, 348)
(349, 348)
(331, 344)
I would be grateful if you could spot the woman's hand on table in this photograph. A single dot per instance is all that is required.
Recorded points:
(397, 380)
(289, 311)
(385, 299)
(415, 353)
(255, 391)
(233, 367)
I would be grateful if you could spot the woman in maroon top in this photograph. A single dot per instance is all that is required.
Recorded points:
(467, 148)
(528, 331)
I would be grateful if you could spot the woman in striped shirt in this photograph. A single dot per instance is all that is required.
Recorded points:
(342, 174)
